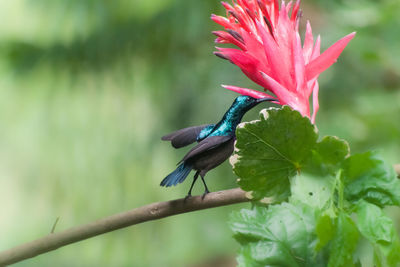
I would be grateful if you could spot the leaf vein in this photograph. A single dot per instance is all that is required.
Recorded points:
(270, 146)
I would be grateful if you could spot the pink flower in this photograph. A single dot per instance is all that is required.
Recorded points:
(271, 54)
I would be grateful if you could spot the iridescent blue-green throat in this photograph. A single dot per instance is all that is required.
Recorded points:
(232, 117)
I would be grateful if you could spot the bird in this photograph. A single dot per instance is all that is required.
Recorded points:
(215, 143)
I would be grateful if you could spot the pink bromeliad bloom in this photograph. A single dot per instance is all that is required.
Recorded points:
(271, 54)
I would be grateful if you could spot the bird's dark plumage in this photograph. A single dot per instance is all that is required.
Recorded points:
(177, 176)
(215, 143)
(207, 144)
(186, 136)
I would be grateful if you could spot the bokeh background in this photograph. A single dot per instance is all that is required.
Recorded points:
(87, 87)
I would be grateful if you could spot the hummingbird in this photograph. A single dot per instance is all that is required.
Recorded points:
(215, 143)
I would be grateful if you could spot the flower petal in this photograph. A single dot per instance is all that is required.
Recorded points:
(283, 94)
(278, 68)
(286, 97)
(299, 66)
(247, 91)
(308, 43)
(221, 21)
(295, 11)
(326, 59)
(317, 49)
(315, 101)
(249, 65)
(224, 37)
(271, 52)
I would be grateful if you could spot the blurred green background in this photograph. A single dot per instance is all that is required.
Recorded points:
(87, 87)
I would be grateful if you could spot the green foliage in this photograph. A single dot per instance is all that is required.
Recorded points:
(324, 188)
(327, 155)
(380, 231)
(275, 155)
(343, 243)
(312, 190)
(368, 177)
(282, 235)
(325, 230)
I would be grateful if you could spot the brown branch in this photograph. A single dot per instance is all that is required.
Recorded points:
(146, 213)
(143, 214)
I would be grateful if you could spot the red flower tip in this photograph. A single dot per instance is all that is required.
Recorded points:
(271, 52)
(324, 61)
(221, 55)
(249, 92)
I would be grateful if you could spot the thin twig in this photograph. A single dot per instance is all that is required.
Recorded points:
(54, 225)
(143, 214)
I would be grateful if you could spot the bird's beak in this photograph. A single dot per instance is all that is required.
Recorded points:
(259, 100)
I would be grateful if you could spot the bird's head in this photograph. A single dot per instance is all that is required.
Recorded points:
(245, 102)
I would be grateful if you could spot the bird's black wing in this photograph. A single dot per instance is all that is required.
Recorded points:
(207, 144)
(184, 137)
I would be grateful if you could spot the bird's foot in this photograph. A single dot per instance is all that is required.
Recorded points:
(205, 193)
(187, 197)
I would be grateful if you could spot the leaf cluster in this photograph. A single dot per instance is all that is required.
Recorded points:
(328, 204)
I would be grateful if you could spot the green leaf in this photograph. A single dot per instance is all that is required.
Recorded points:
(278, 156)
(368, 177)
(271, 150)
(327, 156)
(281, 235)
(373, 223)
(344, 242)
(316, 183)
(325, 230)
(380, 231)
(314, 191)
(333, 150)
(264, 253)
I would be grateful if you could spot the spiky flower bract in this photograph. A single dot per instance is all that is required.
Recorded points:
(271, 54)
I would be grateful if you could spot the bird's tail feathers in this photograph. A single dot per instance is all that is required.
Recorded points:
(177, 176)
